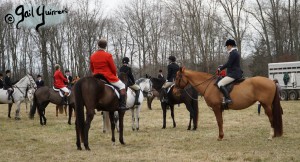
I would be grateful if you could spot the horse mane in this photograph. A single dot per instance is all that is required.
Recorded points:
(140, 80)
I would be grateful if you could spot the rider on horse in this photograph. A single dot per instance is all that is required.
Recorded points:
(131, 82)
(8, 85)
(172, 70)
(101, 62)
(59, 82)
(234, 70)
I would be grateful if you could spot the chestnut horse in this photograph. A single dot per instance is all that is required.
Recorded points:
(243, 95)
(92, 93)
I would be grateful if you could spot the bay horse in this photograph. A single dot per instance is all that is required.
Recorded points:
(188, 96)
(243, 95)
(19, 94)
(43, 96)
(92, 93)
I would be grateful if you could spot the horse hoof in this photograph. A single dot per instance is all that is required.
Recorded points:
(87, 148)
(137, 129)
(17, 118)
(270, 139)
(69, 123)
(220, 139)
(113, 144)
(195, 128)
(133, 129)
(79, 148)
(104, 131)
(9, 117)
(163, 128)
(189, 128)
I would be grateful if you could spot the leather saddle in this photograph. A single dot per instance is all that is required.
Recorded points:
(230, 86)
(107, 83)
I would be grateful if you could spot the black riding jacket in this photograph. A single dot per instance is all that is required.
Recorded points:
(7, 82)
(126, 69)
(172, 70)
(233, 65)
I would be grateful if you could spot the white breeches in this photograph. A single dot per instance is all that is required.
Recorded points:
(119, 84)
(226, 80)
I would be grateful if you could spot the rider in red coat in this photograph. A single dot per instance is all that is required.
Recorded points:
(101, 62)
(59, 82)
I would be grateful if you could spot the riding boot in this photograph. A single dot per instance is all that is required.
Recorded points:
(226, 95)
(122, 104)
(137, 95)
(165, 95)
(10, 94)
(65, 100)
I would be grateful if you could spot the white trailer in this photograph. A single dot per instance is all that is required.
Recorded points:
(291, 72)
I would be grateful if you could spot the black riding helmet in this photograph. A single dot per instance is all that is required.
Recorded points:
(125, 60)
(172, 58)
(230, 42)
(7, 71)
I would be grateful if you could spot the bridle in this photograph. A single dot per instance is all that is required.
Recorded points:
(207, 80)
(31, 85)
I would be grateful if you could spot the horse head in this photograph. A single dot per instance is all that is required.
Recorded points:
(31, 83)
(145, 85)
(181, 80)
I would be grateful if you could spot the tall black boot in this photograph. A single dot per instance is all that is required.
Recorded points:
(65, 100)
(122, 104)
(137, 95)
(226, 95)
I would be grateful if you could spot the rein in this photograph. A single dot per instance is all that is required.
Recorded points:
(209, 79)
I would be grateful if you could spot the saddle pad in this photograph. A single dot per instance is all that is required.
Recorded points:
(114, 89)
(170, 88)
(61, 93)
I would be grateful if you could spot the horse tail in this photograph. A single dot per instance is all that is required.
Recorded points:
(277, 115)
(79, 109)
(33, 107)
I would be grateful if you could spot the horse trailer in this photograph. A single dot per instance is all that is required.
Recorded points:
(288, 76)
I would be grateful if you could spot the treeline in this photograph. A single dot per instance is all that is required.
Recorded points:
(148, 31)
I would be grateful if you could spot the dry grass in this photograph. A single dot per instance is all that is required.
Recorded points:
(245, 137)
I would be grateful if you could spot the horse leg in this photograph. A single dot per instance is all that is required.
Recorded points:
(17, 116)
(219, 117)
(172, 115)
(112, 126)
(190, 123)
(57, 110)
(268, 112)
(44, 117)
(70, 114)
(89, 117)
(132, 119)
(9, 109)
(164, 109)
(121, 125)
(138, 117)
(78, 143)
(65, 108)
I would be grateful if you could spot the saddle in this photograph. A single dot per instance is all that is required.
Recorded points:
(168, 90)
(230, 86)
(107, 83)
(61, 92)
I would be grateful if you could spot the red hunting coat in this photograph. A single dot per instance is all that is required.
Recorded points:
(101, 62)
(59, 79)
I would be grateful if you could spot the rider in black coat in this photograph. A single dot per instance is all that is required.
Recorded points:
(172, 71)
(1, 81)
(131, 82)
(8, 84)
(233, 67)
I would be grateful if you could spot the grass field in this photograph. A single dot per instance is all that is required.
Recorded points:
(245, 138)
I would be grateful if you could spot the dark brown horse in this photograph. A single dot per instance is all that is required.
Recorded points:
(92, 93)
(43, 96)
(243, 95)
(155, 93)
(188, 96)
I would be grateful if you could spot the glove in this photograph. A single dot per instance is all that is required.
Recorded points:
(219, 70)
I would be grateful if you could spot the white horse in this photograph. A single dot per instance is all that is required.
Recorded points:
(19, 93)
(146, 88)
